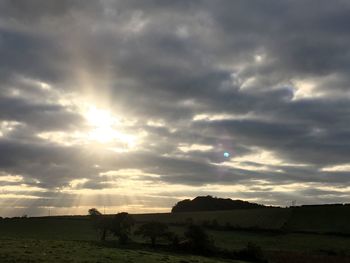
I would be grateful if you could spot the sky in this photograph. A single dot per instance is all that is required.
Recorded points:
(135, 105)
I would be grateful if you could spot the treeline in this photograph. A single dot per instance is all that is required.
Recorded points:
(210, 203)
(121, 224)
(194, 240)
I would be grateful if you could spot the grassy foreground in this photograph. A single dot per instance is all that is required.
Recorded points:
(51, 251)
(307, 234)
(80, 228)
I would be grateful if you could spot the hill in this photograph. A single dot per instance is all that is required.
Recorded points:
(209, 203)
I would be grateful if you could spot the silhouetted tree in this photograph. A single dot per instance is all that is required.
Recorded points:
(153, 230)
(94, 212)
(197, 238)
(121, 225)
(209, 203)
(99, 222)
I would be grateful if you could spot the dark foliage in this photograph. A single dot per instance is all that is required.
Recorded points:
(252, 253)
(197, 239)
(153, 231)
(94, 212)
(121, 225)
(99, 222)
(209, 203)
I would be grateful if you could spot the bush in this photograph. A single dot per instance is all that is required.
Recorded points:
(252, 253)
(175, 240)
(153, 230)
(99, 222)
(121, 225)
(198, 240)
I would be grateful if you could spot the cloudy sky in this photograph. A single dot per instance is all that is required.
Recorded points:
(132, 104)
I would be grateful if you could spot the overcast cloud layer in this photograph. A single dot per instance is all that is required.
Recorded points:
(180, 83)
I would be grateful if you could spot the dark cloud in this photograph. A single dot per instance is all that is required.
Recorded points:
(195, 78)
(41, 116)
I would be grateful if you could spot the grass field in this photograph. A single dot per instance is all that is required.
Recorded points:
(310, 243)
(29, 250)
(73, 239)
(320, 219)
(48, 228)
(316, 219)
(81, 229)
(273, 218)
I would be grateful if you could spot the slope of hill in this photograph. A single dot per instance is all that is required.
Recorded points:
(209, 203)
(320, 219)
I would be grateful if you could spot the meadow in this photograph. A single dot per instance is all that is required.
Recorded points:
(51, 251)
(273, 218)
(310, 234)
(332, 219)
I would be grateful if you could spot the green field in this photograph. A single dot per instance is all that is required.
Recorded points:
(310, 243)
(325, 219)
(273, 218)
(313, 219)
(81, 229)
(73, 239)
(48, 228)
(29, 250)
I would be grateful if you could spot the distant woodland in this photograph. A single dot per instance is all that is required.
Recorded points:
(210, 203)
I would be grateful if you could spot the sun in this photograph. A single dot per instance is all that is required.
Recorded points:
(105, 128)
(99, 118)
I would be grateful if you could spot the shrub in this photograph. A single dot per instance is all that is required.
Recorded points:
(198, 240)
(153, 230)
(121, 225)
(252, 253)
(99, 222)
